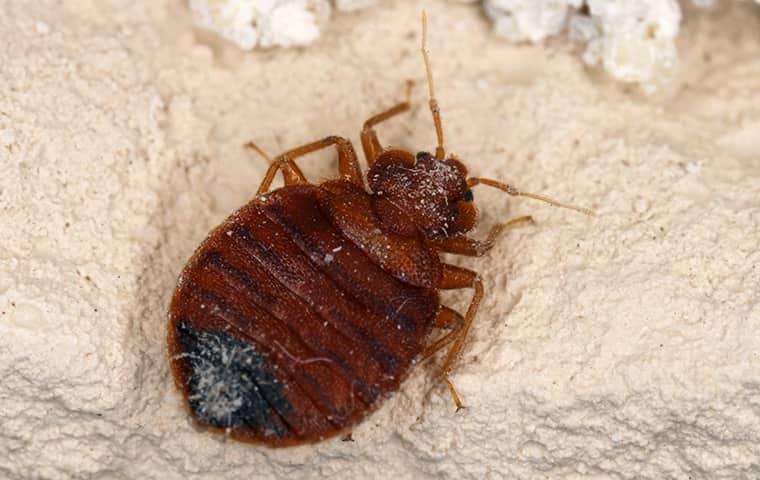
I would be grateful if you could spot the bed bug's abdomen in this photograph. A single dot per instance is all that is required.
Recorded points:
(283, 331)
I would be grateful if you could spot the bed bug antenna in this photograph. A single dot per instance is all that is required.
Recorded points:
(440, 153)
(509, 189)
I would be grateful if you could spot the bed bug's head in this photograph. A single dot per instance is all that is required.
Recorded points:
(426, 192)
(422, 193)
(430, 193)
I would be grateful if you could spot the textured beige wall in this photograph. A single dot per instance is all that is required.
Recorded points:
(623, 346)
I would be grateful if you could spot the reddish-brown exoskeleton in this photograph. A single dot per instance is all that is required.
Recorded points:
(300, 312)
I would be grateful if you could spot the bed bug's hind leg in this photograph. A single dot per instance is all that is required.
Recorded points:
(348, 165)
(454, 278)
(370, 143)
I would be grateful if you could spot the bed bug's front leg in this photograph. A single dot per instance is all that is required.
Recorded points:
(470, 247)
(348, 165)
(370, 143)
(454, 278)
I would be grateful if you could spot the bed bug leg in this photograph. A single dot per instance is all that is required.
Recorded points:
(454, 393)
(370, 143)
(447, 319)
(291, 174)
(470, 247)
(348, 165)
(454, 278)
(452, 320)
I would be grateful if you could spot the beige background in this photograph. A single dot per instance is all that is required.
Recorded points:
(623, 346)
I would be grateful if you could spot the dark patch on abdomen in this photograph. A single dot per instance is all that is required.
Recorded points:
(228, 384)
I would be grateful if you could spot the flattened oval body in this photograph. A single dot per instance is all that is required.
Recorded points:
(284, 331)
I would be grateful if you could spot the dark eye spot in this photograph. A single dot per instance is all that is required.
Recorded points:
(422, 155)
(468, 196)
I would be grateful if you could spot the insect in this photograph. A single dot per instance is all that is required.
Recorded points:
(310, 304)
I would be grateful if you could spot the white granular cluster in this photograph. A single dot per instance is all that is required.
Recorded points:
(531, 20)
(267, 23)
(219, 389)
(634, 40)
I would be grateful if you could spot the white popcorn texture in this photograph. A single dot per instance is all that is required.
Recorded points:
(532, 20)
(267, 23)
(634, 40)
(637, 40)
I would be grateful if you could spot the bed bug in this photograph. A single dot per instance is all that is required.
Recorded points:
(310, 304)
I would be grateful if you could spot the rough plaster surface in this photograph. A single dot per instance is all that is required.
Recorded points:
(623, 346)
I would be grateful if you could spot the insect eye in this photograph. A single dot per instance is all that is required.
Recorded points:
(468, 196)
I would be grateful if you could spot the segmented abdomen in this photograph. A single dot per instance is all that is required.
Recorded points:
(283, 331)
